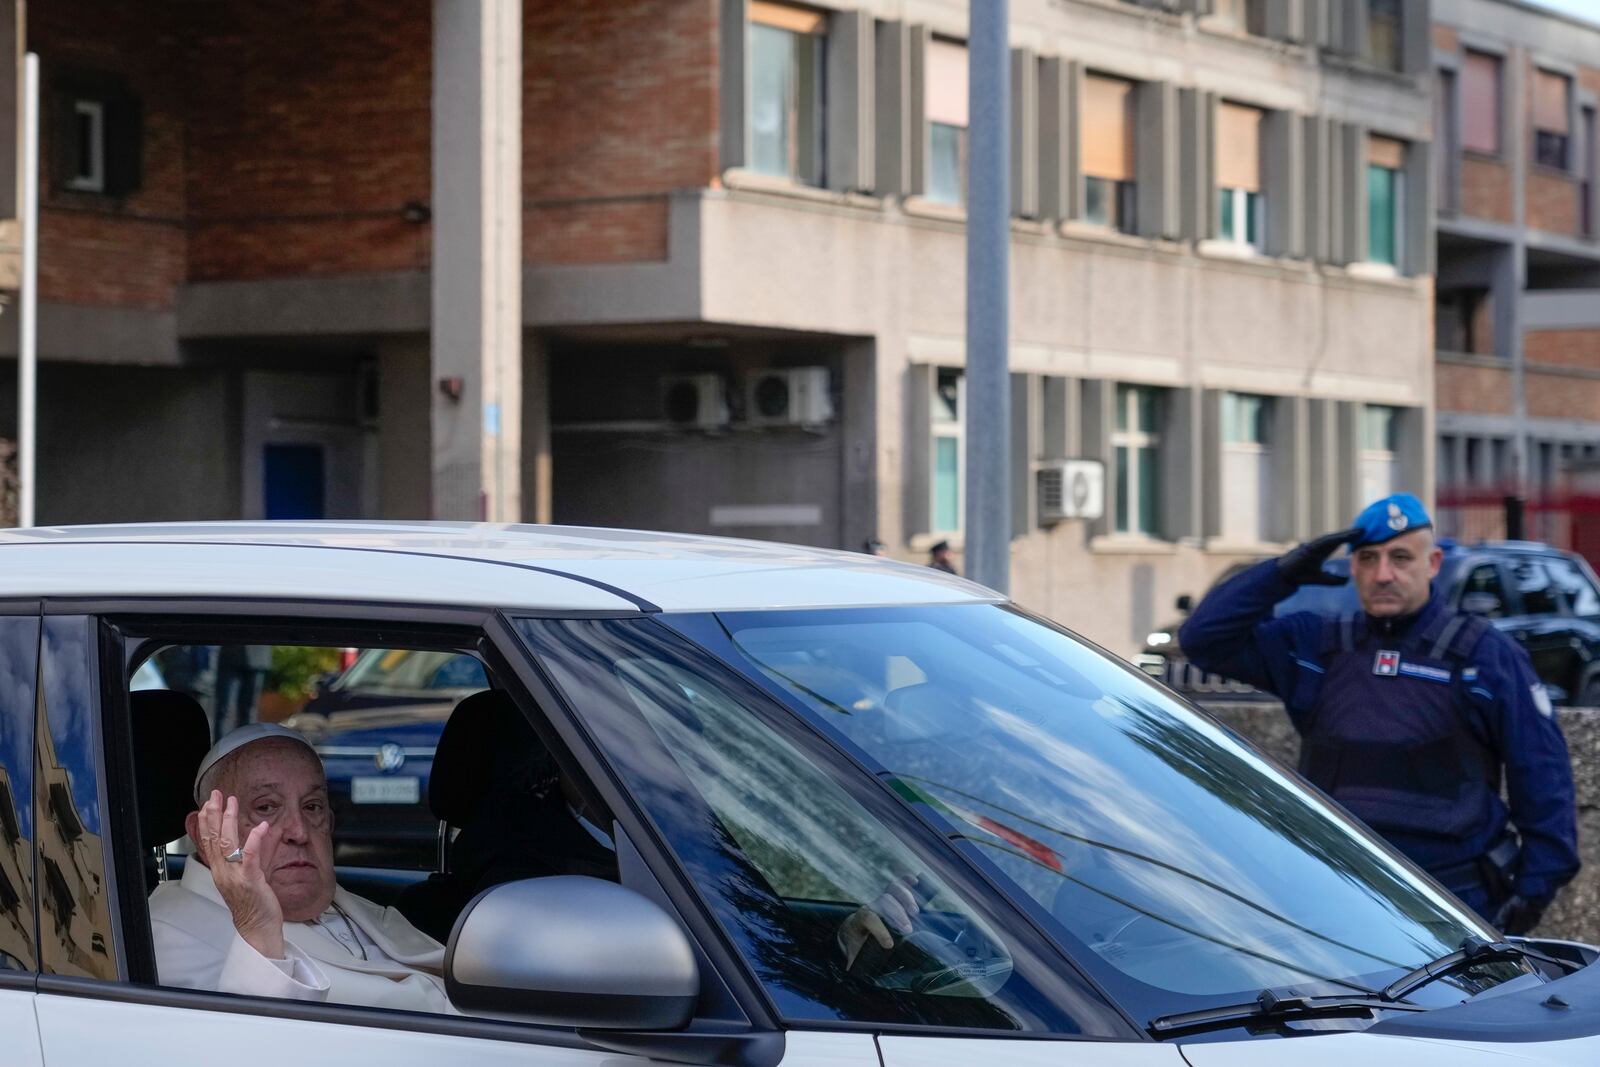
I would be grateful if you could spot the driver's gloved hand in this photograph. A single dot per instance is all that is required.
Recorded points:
(1518, 915)
(893, 909)
(1302, 565)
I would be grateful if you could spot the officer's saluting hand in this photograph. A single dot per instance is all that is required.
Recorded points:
(1410, 713)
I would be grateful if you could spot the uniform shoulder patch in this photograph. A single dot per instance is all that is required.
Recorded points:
(1541, 699)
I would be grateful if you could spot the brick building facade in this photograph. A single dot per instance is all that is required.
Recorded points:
(1518, 311)
(741, 271)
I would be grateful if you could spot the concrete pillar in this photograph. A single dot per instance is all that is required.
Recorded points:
(1099, 416)
(1024, 133)
(1350, 193)
(1416, 37)
(537, 502)
(1156, 158)
(1417, 256)
(917, 471)
(1290, 441)
(1210, 487)
(895, 115)
(1283, 152)
(1347, 462)
(1284, 20)
(1197, 173)
(1318, 203)
(1325, 462)
(1058, 419)
(1027, 445)
(852, 107)
(1183, 465)
(477, 259)
(1060, 182)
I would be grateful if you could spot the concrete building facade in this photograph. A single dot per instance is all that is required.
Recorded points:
(699, 265)
(1518, 313)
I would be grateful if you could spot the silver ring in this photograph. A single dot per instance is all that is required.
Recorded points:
(236, 856)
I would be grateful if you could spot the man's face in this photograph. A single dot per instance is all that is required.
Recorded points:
(279, 781)
(1394, 578)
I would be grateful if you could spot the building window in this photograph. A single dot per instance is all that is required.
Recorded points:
(1384, 33)
(949, 451)
(1552, 119)
(87, 172)
(1239, 207)
(1385, 193)
(1106, 147)
(1480, 103)
(1380, 467)
(787, 55)
(946, 96)
(1462, 322)
(1136, 444)
(1246, 468)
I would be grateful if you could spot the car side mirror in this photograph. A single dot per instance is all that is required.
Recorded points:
(573, 952)
(1485, 604)
(1185, 603)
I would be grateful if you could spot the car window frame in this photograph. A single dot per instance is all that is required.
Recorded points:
(505, 657)
(1509, 568)
(1578, 564)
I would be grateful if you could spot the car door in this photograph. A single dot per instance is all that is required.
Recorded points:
(1540, 624)
(19, 958)
(1581, 601)
(97, 1002)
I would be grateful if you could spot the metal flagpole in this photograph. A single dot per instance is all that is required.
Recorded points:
(27, 349)
(988, 431)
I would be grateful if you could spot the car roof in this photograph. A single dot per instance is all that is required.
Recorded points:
(515, 566)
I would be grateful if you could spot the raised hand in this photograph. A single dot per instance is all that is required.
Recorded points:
(894, 909)
(1302, 565)
(243, 882)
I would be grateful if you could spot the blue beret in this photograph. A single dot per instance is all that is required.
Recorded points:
(1383, 520)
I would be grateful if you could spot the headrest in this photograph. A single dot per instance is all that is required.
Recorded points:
(486, 743)
(170, 738)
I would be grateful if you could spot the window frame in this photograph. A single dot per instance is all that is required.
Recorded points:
(1397, 216)
(127, 625)
(955, 430)
(1537, 132)
(94, 179)
(1242, 205)
(22, 791)
(1462, 102)
(807, 162)
(1136, 439)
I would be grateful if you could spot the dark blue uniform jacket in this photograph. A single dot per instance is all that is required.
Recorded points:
(1410, 724)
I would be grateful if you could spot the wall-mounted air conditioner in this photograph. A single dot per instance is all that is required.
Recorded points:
(1071, 489)
(695, 401)
(788, 396)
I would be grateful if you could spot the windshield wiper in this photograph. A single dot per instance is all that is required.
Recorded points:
(1271, 1006)
(1473, 951)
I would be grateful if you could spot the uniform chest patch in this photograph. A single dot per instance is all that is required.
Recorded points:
(1420, 670)
(1387, 664)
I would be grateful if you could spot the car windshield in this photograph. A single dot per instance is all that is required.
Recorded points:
(1156, 843)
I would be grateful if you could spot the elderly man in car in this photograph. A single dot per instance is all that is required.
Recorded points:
(259, 912)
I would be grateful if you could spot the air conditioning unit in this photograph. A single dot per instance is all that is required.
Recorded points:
(1071, 489)
(788, 396)
(695, 401)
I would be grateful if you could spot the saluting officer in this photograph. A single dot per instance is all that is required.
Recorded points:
(1409, 712)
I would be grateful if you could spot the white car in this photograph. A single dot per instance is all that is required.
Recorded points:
(758, 741)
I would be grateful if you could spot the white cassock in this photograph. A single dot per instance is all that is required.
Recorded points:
(197, 947)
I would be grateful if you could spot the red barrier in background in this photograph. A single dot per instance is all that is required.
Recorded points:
(1566, 520)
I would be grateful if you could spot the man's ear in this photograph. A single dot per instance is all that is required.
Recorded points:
(191, 826)
(1435, 561)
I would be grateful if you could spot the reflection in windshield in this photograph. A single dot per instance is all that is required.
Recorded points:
(1173, 854)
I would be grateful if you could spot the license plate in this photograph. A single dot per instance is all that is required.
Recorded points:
(373, 790)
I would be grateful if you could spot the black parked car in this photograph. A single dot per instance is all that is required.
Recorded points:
(1548, 600)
